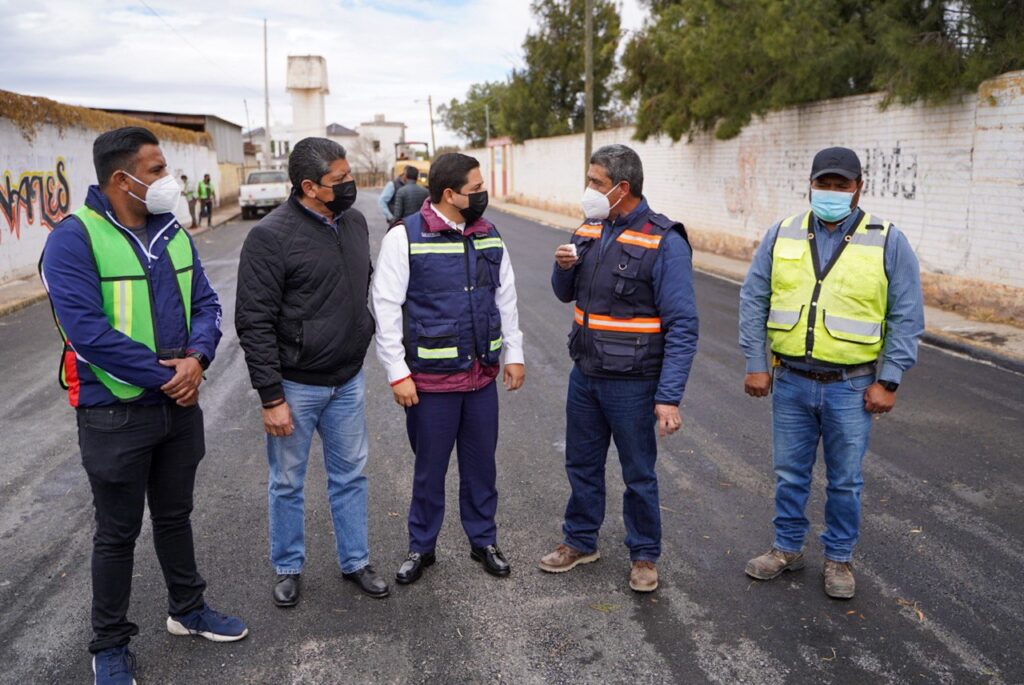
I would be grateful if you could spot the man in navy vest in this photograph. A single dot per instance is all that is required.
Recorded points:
(445, 299)
(633, 340)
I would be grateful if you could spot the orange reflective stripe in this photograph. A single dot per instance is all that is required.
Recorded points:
(608, 323)
(589, 231)
(642, 239)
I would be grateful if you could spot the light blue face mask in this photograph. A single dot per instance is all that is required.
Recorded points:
(831, 205)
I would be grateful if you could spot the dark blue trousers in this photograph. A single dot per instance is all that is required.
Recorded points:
(467, 421)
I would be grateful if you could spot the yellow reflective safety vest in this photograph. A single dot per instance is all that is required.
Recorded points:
(829, 312)
(125, 287)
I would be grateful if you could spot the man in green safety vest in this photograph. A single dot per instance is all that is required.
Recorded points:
(206, 196)
(836, 291)
(139, 323)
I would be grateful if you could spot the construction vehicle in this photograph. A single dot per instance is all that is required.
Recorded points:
(412, 153)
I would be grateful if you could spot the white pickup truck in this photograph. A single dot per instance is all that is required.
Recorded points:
(263, 190)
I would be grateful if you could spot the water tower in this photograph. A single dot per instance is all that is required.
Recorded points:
(307, 83)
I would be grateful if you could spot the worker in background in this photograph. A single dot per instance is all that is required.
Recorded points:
(410, 197)
(206, 197)
(188, 192)
(835, 290)
(386, 201)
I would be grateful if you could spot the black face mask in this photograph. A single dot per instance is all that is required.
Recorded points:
(477, 207)
(344, 197)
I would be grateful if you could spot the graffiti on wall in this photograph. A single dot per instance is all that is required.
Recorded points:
(888, 172)
(42, 195)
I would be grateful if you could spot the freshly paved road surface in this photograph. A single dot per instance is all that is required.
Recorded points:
(939, 567)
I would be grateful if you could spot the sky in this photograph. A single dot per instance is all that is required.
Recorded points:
(206, 56)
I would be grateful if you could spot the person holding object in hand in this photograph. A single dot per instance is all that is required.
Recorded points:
(304, 323)
(633, 339)
(139, 323)
(445, 298)
(835, 290)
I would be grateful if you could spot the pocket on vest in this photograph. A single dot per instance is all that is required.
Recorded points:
(853, 330)
(489, 268)
(437, 344)
(619, 352)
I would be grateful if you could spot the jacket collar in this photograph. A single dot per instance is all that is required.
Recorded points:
(434, 223)
(158, 226)
(641, 209)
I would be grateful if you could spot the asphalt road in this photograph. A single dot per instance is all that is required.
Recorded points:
(939, 566)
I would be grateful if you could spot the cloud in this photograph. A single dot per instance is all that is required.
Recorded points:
(198, 56)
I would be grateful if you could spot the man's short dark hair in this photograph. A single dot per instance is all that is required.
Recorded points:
(450, 170)
(622, 164)
(311, 160)
(115, 150)
(412, 173)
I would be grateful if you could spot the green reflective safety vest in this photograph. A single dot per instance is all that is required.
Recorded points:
(832, 313)
(125, 287)
(204, 189)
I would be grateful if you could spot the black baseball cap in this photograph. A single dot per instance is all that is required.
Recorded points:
(836, 160)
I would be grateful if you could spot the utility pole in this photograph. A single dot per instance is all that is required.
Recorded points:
(266, 100)
(588, 84)
(487, 122)
(433, 142)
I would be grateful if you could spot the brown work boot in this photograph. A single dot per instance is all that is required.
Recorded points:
(565, 558)
(839, 582)
(772, 563)
(643, 577)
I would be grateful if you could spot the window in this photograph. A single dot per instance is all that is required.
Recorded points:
(272, 150)
(376, 146)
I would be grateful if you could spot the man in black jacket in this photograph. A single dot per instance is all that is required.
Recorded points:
(303, 321)
(410, 197)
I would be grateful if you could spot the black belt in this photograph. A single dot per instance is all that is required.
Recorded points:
(832, 376)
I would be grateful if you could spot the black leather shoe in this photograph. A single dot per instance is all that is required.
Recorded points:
(286, 590)
(492, 559)
(412, 568)
(368, 581)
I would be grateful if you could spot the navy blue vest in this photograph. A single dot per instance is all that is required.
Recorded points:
(451, 318)
(616, 330)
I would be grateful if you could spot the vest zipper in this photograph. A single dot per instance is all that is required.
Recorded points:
(472, 313)
(820, 275)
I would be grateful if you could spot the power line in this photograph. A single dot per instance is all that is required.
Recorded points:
(183, 38)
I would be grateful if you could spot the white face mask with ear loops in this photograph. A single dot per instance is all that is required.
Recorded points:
(161, 197)
(595, 203)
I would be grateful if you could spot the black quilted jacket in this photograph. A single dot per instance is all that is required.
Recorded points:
(301, 304)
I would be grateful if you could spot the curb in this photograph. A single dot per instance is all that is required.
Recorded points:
(24, 302)
(29, 300)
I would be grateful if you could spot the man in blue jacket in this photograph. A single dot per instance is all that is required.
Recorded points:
(140, 324)
(633, 341)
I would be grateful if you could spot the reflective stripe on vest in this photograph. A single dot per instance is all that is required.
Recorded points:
(608, 323)
(837, 317)
(125, 290)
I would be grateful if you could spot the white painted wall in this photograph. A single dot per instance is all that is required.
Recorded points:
(22, 239)
(951, 177)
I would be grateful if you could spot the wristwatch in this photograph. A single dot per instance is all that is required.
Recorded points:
(201, 358)
(891, 386)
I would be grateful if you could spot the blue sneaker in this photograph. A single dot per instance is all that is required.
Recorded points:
(114, 666)
(208, 623)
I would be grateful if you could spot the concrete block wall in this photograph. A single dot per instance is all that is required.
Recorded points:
(950, 177)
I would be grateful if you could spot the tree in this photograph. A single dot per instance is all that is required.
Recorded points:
(545, 97)
(711, 65)
(468, 118)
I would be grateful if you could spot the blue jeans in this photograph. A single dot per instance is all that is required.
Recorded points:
(339, 415)
(804, 413)
(598, 410)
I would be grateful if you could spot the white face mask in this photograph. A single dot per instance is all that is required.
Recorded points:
(161, 197)
(595, 203)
